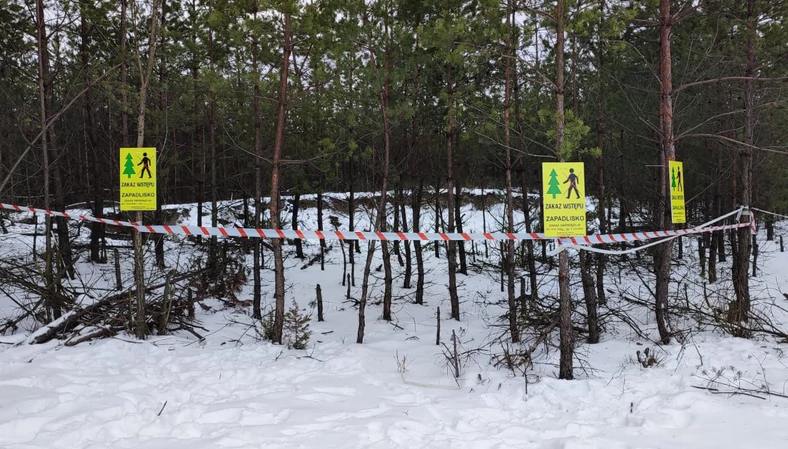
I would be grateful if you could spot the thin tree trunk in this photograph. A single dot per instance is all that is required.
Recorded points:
(663, 252)
(451, 251)
(397, 228)
(417, 200)
(460, 245)
(258, 177)
(159, 216)
(601, 260)
(590, 297)
(713, 246)
(385, 101)
(96, 229)
(124, 97)
(438, 216)
(213, 251)
(320, 228)
(294, 222)
(140, 324)
(529, 244)
(279, 268)
(509, 265)
(567, 340)
(52, 308)
(380, 219)
(408, 263)
(741, 282)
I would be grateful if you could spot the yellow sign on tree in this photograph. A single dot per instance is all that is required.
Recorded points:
(564, 198)
(678, 213)
(137, 179)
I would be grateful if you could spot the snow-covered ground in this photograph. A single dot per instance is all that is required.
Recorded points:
(232, 390)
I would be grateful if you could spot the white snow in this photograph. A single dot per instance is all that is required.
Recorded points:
(233, 391)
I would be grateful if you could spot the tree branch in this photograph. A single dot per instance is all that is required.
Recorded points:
(727, 78)
(733, 141)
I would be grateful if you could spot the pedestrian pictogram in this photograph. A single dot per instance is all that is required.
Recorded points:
(675, 177)
(145, 162)
(677, 206)
(572, 180)
(564, 199)
(137, 191)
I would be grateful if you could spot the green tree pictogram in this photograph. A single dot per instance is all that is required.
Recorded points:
(555, 187)
(128, 169)
(673, 178)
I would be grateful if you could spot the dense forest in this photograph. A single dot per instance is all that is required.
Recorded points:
(257, 99)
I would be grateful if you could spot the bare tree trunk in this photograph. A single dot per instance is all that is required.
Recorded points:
(396, 198)
(299, 245)
(713, 246)
(258, 176)
(529, 244)
(567, 341)
(451, 251)
(417, 199)
(53, 309)
(96, 229)
(662, 259)
(601, 260)
(279, 267)
(213, 256)
(380, 219)
(385, 101)
(320, 227)
(741, 282)
(590, 297)
(159, 216)
(140, 324)
(408, 263)
(461, 244)
(124, 97)
(438, 216)
(509, 266)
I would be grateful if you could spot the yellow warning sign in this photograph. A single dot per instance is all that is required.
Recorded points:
(677, 192)
(137, 179)
(564, 198)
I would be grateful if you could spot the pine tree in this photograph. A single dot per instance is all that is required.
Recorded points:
(128, 169)
(555, 188)
(296, 328)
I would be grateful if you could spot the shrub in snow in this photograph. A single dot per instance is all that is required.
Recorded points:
(296, 328)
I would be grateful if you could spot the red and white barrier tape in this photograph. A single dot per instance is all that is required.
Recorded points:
(623, 238)
(367, 235)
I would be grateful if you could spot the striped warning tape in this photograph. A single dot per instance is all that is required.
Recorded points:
(623, 238)
(367, 235)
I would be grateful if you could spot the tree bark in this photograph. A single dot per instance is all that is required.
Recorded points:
(601, 260)
(417, 248)
(589, 293)
(567, 340)
(258, 176)
(509, 266)
(741, 282)
(463, 269)
(51, 305)
(96, 229)
(140, 323)
(663, 253)
(276, 173)
(380, 219)
(299, 245)
(451, 250)
(408, 263)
